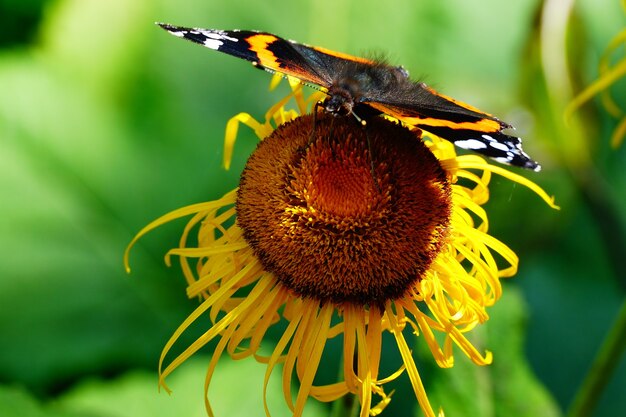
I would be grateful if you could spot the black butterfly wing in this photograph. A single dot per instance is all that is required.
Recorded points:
(464, 125)
(313, 66)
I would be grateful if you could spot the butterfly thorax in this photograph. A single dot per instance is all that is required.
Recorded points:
(355, 82)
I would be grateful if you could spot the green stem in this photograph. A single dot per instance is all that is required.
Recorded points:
(346, 406)
(602, 368)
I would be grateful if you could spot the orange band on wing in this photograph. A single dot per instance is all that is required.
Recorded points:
(482, 125)
(259, 45)
(341, 55)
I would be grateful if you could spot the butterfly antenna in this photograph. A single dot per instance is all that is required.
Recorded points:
(358, 119)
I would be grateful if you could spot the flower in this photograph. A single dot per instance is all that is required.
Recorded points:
(342, 230)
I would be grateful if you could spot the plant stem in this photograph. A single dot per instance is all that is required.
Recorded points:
(602, 368)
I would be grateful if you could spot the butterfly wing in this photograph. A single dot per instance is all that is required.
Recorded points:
(464, 125)
(311, 65)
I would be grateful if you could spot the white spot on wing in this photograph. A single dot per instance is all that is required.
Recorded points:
(217, 35)
(213, 43)
(212, 39)
(471, 144)
(499, 146)
(502, 160)
(179, 33)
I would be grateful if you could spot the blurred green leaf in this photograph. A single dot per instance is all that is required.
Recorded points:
(237, 390)
(65, 158)
(507, 387)
(19, 20)
(16, 402)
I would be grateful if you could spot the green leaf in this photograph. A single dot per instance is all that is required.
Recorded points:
(16, 402)
(505, 388)
(236, 391)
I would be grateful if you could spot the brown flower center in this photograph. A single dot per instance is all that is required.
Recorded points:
(331, 228)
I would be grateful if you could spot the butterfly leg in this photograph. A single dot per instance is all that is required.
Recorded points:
(315, 109)
(363, 124)
(371, 154)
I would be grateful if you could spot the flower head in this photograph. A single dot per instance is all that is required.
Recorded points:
(332, 221)
(344, 231)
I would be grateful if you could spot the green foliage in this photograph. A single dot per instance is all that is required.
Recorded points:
(135, 394)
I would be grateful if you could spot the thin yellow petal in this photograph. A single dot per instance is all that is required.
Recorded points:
(429, 336)
(214, 331)
(256, 320)
(318, 339)
(618, 134)
(602, 83)
(215, 357)
(411, 368)
(513, 177)
(349, 348)
(304, 330)
(204, 251)
(232, 127)
(176, 214)
(604, 65)
(281, 345)
(276, 79)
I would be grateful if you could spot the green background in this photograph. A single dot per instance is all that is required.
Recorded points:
(107, 122)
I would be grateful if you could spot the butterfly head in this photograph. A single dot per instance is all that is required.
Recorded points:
(340, 101)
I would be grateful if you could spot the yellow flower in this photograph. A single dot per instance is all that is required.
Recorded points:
(340, 230)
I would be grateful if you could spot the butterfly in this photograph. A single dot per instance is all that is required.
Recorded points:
(363, 88)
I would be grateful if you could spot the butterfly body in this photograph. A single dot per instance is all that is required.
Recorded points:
(363, 88)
